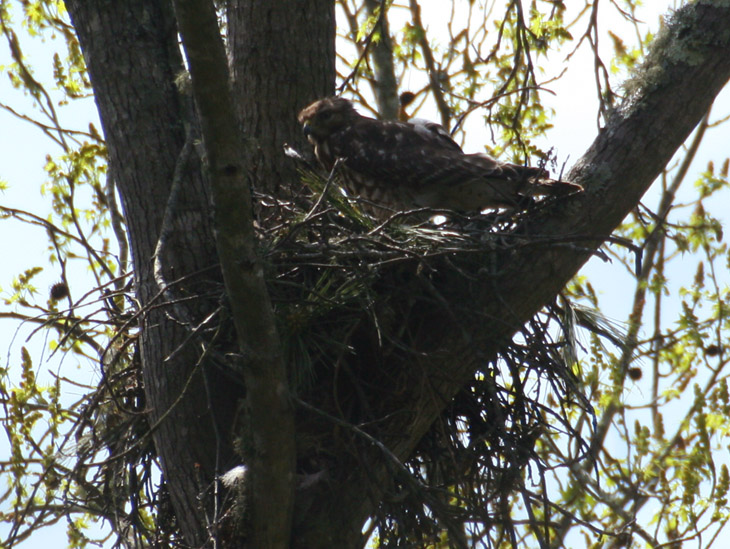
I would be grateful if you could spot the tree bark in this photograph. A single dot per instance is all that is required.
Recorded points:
(133, 59)
(283, 57)
(665, 103)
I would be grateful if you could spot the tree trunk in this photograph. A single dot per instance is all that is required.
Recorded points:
(281, 57)
(133, 59)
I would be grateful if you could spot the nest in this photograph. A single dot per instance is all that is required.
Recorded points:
(356, 301)
(352, 295)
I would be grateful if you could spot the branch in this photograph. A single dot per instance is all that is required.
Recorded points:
(384, 83)
(434, 73)
(270, 411)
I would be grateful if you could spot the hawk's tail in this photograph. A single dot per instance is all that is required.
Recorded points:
(540, 184)
(551, 187)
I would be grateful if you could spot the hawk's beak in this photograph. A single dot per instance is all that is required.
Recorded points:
(306, 130)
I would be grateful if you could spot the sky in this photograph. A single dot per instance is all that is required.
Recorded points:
(23, 149)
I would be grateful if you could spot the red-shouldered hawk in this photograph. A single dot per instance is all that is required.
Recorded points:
(398, 166)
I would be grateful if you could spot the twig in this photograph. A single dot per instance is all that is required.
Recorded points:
(323, 194)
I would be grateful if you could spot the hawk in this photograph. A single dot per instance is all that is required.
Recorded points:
(398, 166)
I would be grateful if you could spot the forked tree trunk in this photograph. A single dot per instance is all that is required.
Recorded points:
(282, 57)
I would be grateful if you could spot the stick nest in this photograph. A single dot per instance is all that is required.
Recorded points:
(361, 305)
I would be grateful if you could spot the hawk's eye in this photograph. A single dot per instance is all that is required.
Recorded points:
(326, 115)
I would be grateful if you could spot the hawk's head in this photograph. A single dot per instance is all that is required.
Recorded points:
(326, 116)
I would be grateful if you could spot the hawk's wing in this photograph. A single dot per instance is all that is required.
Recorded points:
(422, 167)
(434, 133)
